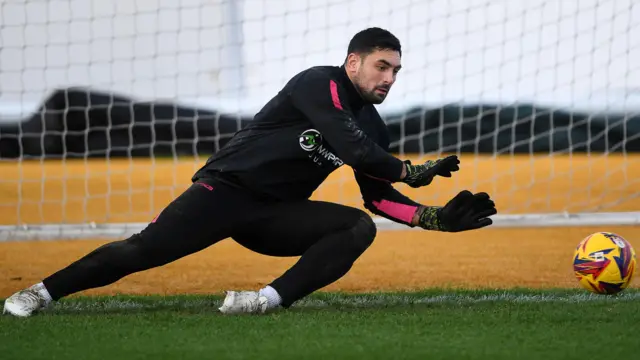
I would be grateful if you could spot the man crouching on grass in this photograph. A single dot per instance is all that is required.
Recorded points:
(256, 190)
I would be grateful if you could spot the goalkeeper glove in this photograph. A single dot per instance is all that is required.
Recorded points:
(421, 175)
(466, 211)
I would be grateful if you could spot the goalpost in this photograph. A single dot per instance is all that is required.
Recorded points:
(108, 107)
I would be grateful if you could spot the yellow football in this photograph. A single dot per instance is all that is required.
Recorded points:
(604, 263)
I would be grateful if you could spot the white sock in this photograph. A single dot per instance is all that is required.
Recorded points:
(273, 298)
(42, 290)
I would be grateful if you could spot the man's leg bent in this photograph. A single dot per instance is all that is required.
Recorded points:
(328, 237)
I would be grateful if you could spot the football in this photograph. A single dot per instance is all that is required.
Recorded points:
(604, 263)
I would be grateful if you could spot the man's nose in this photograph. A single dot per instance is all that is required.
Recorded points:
(388, 79)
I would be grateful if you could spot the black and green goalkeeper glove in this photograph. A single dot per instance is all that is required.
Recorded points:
(422, 175)
(466, 211)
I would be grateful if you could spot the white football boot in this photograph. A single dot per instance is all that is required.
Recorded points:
(244, 302)
(26, 302)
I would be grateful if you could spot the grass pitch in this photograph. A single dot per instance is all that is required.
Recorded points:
(437, 324)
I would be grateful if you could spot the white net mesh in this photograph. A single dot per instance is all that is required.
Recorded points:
(108, 106)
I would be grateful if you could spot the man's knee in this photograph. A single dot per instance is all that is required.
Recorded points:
(129, 255)
(364, 232)
(142, 251)
(124, 254)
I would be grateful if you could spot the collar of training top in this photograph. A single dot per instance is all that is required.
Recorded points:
(355, 99)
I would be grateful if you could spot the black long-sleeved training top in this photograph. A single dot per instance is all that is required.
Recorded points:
(315, 124)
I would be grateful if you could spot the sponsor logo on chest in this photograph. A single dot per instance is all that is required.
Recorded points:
(311, 141)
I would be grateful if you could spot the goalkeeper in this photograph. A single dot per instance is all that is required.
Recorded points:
(256, 190)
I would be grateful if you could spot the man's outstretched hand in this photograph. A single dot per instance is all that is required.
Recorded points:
(466, 211)
(422, 175)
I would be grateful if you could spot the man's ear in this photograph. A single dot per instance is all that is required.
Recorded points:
(353, 62)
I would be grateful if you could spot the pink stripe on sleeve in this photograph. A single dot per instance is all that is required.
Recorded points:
(334, 94)
(399, 211)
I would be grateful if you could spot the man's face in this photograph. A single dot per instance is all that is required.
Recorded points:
(375, 73)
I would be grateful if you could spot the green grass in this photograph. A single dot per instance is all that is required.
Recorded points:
(438, 324)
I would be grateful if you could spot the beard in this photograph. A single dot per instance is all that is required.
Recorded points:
(374, 97)
(371, 96)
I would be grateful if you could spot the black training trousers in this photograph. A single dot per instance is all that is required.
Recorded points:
(328, 237)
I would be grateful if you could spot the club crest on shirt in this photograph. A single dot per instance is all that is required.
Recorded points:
(311, 141)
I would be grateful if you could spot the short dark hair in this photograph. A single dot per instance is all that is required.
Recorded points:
(371, 39)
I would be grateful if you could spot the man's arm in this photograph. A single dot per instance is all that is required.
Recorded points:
(465, 211)
(324, 102)
(382, 199)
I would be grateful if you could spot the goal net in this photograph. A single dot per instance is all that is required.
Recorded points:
(108, 107)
